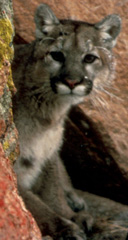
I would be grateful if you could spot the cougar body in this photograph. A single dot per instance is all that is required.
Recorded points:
(56, 71)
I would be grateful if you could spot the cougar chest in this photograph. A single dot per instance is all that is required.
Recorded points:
(44, 143)
(38, 148)
(48, 142)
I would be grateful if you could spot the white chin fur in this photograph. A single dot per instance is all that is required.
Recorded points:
(64, 90)
(79, 90)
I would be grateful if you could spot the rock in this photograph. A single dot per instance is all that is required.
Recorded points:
(90, 161)
(15, 221)
(8, 132)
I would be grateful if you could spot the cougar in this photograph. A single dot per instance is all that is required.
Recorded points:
(53, 73)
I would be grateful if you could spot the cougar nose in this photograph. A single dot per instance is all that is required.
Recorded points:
(71, 83)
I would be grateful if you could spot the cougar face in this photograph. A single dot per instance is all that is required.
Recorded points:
(69, 69)
(71, 63)
(74, 56)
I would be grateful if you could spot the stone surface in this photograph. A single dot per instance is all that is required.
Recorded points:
(91, 161)
(15, 221)
(8, 133)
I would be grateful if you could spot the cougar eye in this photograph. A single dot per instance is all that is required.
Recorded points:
(58, 56)
(89, 58)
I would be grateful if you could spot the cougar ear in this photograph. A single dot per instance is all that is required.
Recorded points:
(45, 20)
(109, 28)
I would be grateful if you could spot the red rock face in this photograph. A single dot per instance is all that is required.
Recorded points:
(15, 221)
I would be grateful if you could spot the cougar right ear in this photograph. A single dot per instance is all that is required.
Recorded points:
(109, 29)
(45, 20)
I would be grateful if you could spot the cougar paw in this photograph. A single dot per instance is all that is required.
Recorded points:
(72, 232)
(75, 202)
(73, 236)
(84, 221)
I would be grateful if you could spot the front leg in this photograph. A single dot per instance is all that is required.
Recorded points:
(48, 221)
(75, 202)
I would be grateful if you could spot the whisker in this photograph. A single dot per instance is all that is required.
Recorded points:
(111, 87)
(112, 95)
(102, 89)
(100, 107)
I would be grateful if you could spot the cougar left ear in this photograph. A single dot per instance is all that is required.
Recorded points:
(109, 30)
(45, 20)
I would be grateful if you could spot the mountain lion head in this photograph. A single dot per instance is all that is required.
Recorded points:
(69, 58)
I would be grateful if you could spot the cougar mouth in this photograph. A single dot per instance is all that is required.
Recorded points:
(67, 86)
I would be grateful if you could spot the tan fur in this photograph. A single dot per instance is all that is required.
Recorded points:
(62, 66)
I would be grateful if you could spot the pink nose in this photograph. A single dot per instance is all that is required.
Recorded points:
(71, 83)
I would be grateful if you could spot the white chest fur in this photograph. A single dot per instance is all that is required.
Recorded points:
(43, 145)
(39, 148)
